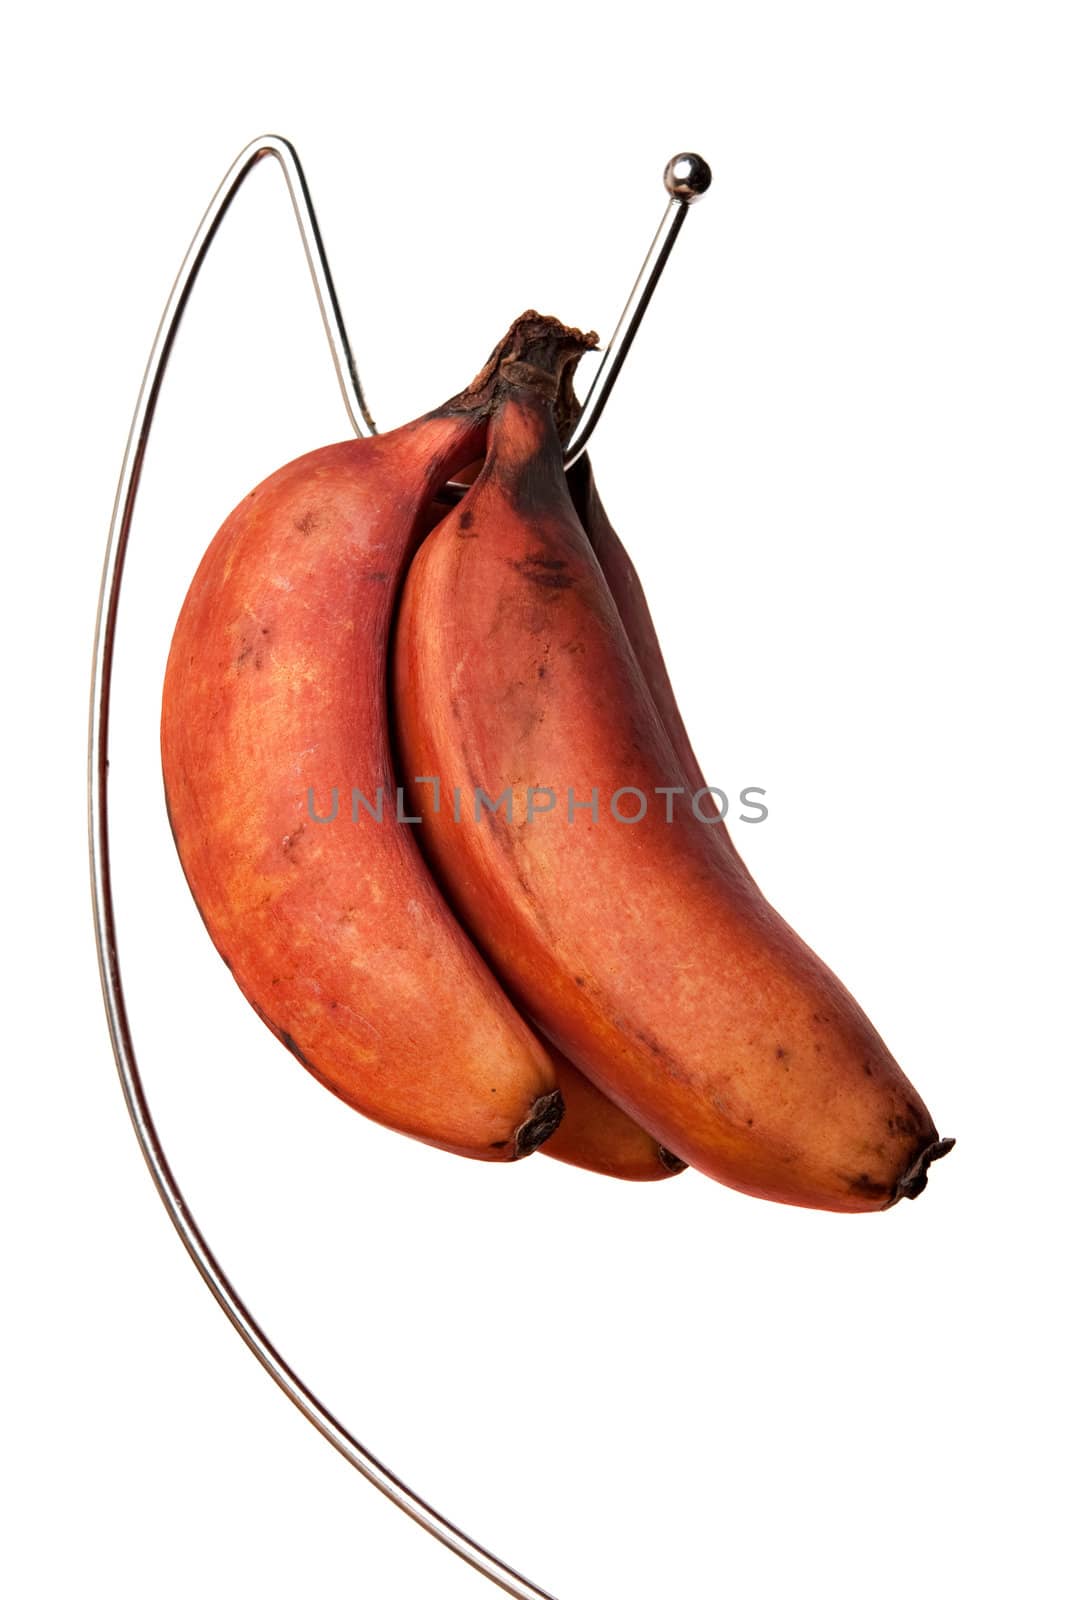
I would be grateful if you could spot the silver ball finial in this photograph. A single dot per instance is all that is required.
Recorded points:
(687, 176)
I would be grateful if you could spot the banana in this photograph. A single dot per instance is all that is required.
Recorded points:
(628, 930)
(595, 1133)
(598, 1135)
(621, 577)
(274, 733)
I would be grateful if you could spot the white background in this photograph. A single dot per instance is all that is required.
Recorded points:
(836, 456)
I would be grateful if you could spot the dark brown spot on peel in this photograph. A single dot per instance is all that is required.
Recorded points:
(466, 518)
(290, 1044)
(544, 571)
(250, 651)
(866, 1186)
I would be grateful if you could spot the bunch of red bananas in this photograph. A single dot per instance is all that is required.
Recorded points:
(434, 799)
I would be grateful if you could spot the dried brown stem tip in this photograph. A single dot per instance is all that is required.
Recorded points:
(537, 352)
(913, 1182)
(546, 1114)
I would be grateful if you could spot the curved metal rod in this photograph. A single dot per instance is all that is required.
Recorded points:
(686, 177)
(207, 1264)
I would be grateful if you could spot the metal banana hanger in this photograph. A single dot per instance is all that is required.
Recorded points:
(686, 178)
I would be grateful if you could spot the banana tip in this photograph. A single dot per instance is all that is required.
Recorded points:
(912, 1184)
(546, 1114)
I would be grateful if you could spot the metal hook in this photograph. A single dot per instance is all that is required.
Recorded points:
(686, 178)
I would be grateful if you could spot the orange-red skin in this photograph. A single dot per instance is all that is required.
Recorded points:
(276, 685)
(646, 952)
(596, 1134)
(599, 1135)
(628, 594)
